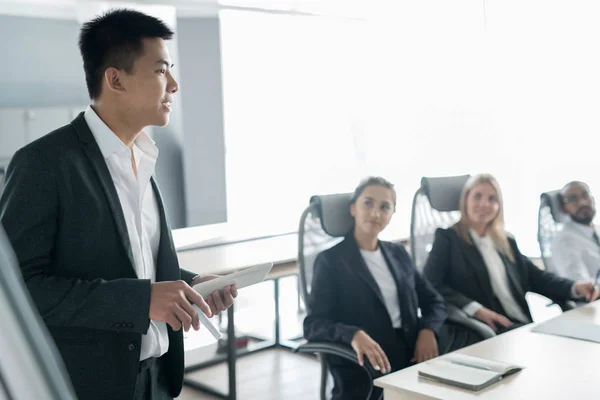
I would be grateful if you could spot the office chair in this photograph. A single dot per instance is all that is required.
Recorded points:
(323, 224)
(30, 366)
(550, 222)
(436, 205)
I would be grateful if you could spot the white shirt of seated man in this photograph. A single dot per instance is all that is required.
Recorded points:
(576, 248)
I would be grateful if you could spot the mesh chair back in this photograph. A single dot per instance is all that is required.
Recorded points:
(323, 224)
(435, 205)
(550, 221)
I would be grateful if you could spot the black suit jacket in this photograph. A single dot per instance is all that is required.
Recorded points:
(457, 270)
(62, 214)
(345, 298)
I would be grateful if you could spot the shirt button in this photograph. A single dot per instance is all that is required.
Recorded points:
(131, 347)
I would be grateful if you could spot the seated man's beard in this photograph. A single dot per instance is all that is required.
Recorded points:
(585, 220)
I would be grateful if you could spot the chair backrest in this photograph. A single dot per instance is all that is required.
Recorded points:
(435, 205)
(30, 366)
(323, 224)
(550, 221)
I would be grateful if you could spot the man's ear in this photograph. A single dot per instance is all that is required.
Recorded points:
(563, 204)
(113, 80)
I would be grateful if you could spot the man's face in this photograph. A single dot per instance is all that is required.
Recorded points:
(150, 87)
(579, 203)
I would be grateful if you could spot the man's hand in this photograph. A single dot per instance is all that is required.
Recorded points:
(218, 301)
(426, 347)
(171, 302)
(494, 320)
(587, 290)
(364, 345)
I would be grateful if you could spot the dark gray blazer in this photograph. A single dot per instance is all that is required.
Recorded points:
(62, 214)
(457, 270)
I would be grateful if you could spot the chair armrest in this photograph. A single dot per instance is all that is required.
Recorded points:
(339, 350)
(459, 317)
(564, 305)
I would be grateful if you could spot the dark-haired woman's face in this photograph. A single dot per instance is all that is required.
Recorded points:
(373, 209)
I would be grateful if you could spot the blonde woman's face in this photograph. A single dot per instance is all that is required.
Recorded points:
(482, 204)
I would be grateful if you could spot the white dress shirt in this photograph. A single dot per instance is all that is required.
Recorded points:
(385, 280)
(575, 253)
(498, 279)
(140, 209)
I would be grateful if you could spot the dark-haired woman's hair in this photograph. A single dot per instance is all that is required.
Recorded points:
(373, 181)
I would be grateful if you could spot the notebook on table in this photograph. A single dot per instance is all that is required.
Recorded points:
(465, 371)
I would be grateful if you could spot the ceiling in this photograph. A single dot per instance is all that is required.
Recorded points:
(66, 9)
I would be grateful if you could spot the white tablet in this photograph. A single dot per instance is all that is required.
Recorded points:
(246, 277)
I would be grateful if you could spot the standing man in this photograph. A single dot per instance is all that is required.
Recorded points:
(576, 249)
(88, 225)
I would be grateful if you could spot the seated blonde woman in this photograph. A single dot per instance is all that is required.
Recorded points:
(478, 267)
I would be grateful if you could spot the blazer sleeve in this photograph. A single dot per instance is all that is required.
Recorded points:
(431, 303)
(543, 282)
(438, 267)
(320, 324)
(187, 276)
(29, 212)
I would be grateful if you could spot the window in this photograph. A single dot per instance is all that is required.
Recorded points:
(435, 88)
(292, 87)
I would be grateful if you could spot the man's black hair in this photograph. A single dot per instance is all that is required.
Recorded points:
(115, 39)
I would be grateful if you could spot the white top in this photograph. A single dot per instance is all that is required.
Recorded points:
(575, 253)
(385, 280)
(140, 209)
(498, 279)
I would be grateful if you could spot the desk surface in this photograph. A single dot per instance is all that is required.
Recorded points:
(232, 257)
(555, 367)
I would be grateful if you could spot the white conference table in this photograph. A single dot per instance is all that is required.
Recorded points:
(228, 258)
(555, 367)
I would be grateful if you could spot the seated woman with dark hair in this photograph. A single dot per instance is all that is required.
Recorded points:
(366, 293)
(478, 267)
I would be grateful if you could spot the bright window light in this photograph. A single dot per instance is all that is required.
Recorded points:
(312, 105)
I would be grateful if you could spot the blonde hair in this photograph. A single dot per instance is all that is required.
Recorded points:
(495, 228)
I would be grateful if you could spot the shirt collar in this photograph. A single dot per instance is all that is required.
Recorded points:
(478, 240)
(110, 144)
(585, 230)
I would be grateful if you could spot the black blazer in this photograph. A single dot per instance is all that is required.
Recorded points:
(457, 270)
(345, 298)
(62, 214)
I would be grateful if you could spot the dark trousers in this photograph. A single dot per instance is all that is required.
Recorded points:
(151, 382)
(453, 337)
(352, 383)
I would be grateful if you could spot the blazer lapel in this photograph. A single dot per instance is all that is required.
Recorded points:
(400, 278)
(167, 265)
(359, 267)
(476, 262)
(515, 284)
(92, 151)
